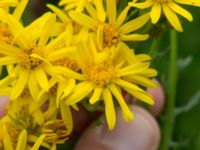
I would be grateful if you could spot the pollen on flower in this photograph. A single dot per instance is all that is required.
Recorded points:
(100, 74)
(28, 61)
(53, 90)
(13, 134)
(22, 119)
(55, 131)
(67, 62)
(110, 36)
(5, 34)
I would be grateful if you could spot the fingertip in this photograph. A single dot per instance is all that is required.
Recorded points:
(159, 98)
(143, 134)
(3, 102)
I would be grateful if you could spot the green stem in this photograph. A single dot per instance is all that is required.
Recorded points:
(167, 129)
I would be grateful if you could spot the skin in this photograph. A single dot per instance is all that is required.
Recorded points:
(141, 134)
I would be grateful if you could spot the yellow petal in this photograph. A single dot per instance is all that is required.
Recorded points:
(68, 87)
(179, 10)
(42, 79)
(143, 5)
(134, 37)
(66, 116)
(100, 10)
(172, 18)
(122, 103)
(9, 50)
(143, 96)
(126, 84)
(46, 32)
(67, 72)
(96, 95)
(22, 140)
(155, 12)
(133, 69)
(8, 60)
(91, 10)
(39, 141)
(83, 19)
(20, 84)
(61, 15)
(189, 2)
(111, 10)
(122, 16)
(80, 91)
(109, 109)
(6, 139)
(146, 82)
(61, 53)
(33, 86)
(134, 24)
(20, 9)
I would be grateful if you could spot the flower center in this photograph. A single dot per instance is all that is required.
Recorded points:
(100, 74)
(53, 90)
(29, 61)
(67, 62)
(13, 134)
(5, 34)
(110, 36)
(55, 131)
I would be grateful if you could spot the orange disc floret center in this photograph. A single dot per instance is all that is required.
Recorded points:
(5, 34)
(110, 36)
(67, 62)
(100, 74)
(29, 61)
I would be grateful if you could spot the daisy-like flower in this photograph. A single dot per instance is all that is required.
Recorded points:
(6, 35)
(32, 53)
(110, 28)
(16, 130)
(105, 76)
(77, 5)
(170, 8)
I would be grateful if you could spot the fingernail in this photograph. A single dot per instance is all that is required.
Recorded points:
(141, 134)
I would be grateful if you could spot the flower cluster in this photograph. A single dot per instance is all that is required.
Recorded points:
(69, 56)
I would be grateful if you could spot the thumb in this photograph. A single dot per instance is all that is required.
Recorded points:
(141, 134)
(3, 101)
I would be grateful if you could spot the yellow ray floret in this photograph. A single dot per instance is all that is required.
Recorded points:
(106, 78)
(109, 27)
(170, 8)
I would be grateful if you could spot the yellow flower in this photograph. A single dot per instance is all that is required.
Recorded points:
(105, 76)
(169, 8)
(32, 53)
(109, 27)
(16, 129)
(6, 35)
(78, 5)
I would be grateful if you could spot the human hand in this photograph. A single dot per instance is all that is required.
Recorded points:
(141, 134)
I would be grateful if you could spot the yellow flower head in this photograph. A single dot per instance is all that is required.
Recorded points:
(169, 8)
(109, 27)
(105, 75)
